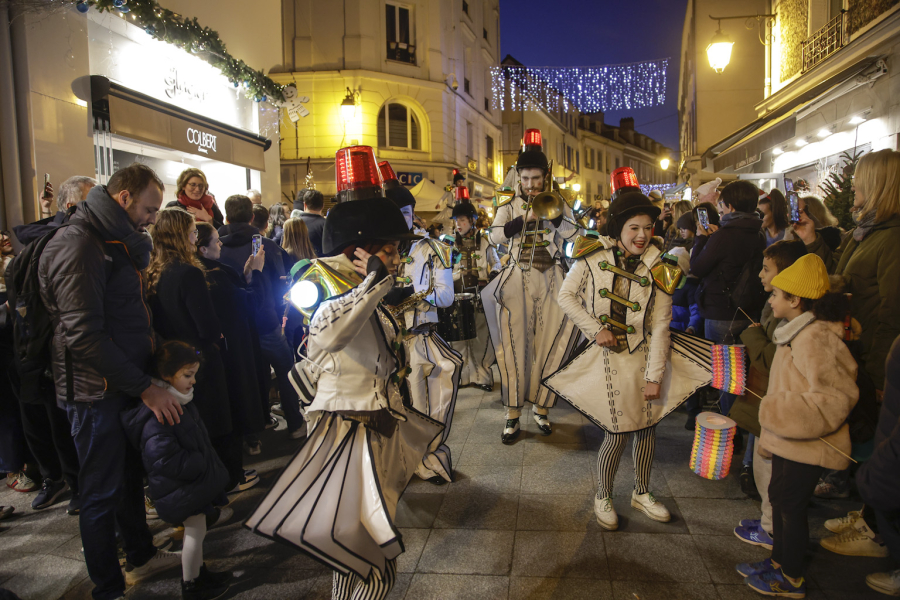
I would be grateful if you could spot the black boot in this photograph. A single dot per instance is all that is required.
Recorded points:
(206, 586)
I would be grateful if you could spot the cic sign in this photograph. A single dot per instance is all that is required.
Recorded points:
(202, 140)
(409, 179)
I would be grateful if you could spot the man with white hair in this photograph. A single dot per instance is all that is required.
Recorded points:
(72, 191)
(255, 196)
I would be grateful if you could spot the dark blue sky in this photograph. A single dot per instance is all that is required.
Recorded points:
(582, 33)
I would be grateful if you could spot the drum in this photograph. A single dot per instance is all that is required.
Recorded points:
(456, 323)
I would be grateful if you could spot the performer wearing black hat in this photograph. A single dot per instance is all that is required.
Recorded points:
(336, 500)
(478, 264)
(530, 333)
(434, 381)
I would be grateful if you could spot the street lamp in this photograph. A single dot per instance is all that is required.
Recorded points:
(664, 163)
(576, 187)
(348, 107)
(719, 49)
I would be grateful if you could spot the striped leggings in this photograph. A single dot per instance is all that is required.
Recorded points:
(610, 454)
(376, 587)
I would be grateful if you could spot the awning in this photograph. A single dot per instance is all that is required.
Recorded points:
(749, 148)
(136, 116)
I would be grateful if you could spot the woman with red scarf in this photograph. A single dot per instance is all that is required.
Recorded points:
(192, 195)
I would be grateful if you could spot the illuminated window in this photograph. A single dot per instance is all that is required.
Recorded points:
(398, 127)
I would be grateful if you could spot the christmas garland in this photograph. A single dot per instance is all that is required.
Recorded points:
(173, 28)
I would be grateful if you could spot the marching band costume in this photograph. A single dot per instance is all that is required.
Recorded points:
(478, 264)
(530, 333)
(630, 295)
(434, 379)
(337, 498)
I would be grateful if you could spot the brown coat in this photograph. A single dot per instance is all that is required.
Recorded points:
(812, 389)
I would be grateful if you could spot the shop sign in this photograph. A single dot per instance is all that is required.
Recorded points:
(203, 140)
(750, 160)
(179, 86)
(409, 179)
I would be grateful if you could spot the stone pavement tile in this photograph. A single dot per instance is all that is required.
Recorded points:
(413, 544)
(655, 590)
(38, 577)
(487, 430)
(474, 509)
(463, 417)
(235, 547)
(623, 484)
(633, 521)
(420, 486)
(743, 592)
(836, 573)
(418, 510)
(654, 557)
(487, 478)
(543, 588)
(684, 483)
(552, 455)
(467, 552)
(565, 478)
(563, 433)
(321, 589)
(716, 517)
(721, 553)
(861, 593)
(493, 453)
(555, 512)
(38, 531)
(457, 587)
(578, 554)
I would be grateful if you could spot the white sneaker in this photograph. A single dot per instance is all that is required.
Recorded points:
(859, 540)
(842, 524)
(649, 505)
(245, 484)
(606, 513)
(150, 508)
(886, 583)
(160, 562)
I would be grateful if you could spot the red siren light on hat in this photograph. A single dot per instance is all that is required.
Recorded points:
(462, 194)
(387, 175)
(532, 140)
(623, 180)
(357, 174)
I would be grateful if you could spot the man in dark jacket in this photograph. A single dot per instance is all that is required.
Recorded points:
(90, 278)
(237, 238)
(878, 481)
(312, 203)
(717, 259)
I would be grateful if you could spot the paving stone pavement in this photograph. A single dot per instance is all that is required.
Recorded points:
(517, 523)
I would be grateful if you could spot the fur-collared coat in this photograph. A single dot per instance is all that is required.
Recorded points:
(812, 389)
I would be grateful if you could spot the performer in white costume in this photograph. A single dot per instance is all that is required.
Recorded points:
(477, 265)
(618, 293)
(337, 498)
(530, 333)
(427, 268)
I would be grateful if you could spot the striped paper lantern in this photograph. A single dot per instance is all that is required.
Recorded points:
(713, 446)
(729, 367)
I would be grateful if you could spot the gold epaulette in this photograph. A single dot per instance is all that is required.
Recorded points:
(583, 246)
(443, 251)
(503, 198)
(667, 276)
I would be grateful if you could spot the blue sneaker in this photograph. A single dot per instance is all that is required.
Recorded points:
(750, 523)
(757, 568)
(774, 583)
(755, 536)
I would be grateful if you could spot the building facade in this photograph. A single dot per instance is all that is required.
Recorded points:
(408, 78)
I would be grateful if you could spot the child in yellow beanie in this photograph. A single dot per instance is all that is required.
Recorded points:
(812, 389)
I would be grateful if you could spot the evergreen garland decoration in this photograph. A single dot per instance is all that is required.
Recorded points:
(186, 33)
(838, 192)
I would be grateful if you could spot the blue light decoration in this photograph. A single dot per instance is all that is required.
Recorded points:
(662, 187)
(589, 89)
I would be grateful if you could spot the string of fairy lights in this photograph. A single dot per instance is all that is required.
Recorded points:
(589, 89)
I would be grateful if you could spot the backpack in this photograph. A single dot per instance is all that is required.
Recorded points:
(748, 292)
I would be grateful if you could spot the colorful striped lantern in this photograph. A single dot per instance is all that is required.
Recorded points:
(729, 368)
(713, 446)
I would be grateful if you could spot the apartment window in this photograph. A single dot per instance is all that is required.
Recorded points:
(607, 163)
(399, 33)
(559, 153)
(465, 7)
(569, 158)
(587, 191)
(484, 33)
(489, 155)
(398, 127)
(487, 105)
(470, 141)
(467, 70)
(577, 161)
(617, 162)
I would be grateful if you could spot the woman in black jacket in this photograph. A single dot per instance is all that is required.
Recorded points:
(235, 298)
(183, 310)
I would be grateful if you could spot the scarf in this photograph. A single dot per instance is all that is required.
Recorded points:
(204, 203)
(788, 330)
(734, 216)
(114, 223)
(864, 225)
(183, 399)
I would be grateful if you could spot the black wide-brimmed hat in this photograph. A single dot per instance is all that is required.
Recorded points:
(378, 219)
(626, 206)
(400, 196)
(465, 209)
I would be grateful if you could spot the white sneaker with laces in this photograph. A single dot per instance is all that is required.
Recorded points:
(886, 583)
(859, 540)
(606, 513)
(842, 524)
(160, 562)
(650, 506)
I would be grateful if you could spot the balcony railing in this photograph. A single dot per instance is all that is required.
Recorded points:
(824, 42)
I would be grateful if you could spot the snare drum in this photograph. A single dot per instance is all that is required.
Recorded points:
(456, 323)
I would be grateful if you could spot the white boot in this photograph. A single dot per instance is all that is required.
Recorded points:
(606, 514)
(649, 505)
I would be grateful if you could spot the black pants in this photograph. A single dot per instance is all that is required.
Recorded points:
(229, 447)
(790, 491)
(49, 437)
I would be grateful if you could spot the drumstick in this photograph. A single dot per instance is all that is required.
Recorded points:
(821, 438)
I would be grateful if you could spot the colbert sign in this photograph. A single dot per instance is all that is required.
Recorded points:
(203, 140)
(409, 179)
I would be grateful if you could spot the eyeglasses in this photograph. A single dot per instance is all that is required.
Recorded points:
(194, 185)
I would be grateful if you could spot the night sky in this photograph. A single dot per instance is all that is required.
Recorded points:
(583, 33)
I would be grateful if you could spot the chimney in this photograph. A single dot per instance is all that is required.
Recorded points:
(626, 124)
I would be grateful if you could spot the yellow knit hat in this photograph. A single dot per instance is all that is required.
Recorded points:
(807, 278)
